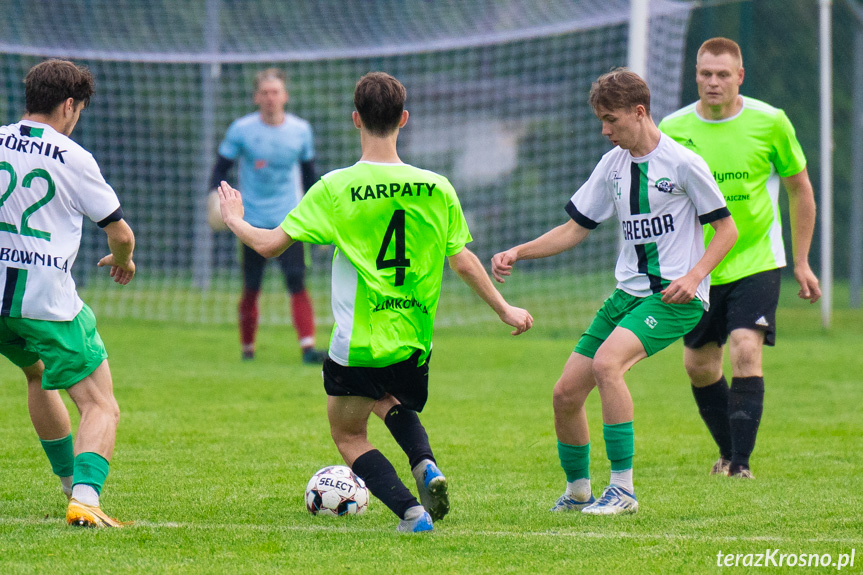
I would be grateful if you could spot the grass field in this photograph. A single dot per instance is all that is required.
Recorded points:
(213, 456)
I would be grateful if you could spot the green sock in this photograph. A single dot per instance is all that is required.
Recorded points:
(92, 469)
(575, 460)
(619, 445)
(61, 454)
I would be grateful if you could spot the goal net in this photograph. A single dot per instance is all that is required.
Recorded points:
(497, 91)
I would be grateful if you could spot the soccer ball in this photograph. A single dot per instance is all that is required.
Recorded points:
(214, 213)
(335, 490)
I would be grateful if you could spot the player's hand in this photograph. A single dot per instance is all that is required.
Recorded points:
(809, 287)
(230, 203)
(501, 264)
(214, 212)
(122, 274)
(518, 318)
(681, 290)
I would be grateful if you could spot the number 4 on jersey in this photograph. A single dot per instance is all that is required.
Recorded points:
(400, 262)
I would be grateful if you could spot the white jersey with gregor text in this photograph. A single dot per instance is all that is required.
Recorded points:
(661, 201)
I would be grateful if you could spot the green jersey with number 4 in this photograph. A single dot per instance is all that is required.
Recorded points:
(392, 225)
(48, 183)
(747, 154)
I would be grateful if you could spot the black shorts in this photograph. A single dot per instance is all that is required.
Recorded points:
(404, 380)
(748, 303)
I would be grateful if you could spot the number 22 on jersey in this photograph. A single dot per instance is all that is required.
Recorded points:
(25, 229)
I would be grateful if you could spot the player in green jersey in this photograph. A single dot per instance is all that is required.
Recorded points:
(750, 146)
(662, 194)
(393, 225)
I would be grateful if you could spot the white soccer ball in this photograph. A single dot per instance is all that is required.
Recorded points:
(335, 490)
(214, 213)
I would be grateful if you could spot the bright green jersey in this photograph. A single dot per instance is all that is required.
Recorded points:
(747, 154)
(392, 225)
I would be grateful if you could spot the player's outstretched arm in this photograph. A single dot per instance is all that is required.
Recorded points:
(801, 207)
(268, 243)
(121, 242)
(682, 290)
(470, 270)
(553, 242)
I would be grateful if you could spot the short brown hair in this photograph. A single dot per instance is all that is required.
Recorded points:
(270, 74)
(619, 89)
(719, 46)
(380, 100)
(49, 84)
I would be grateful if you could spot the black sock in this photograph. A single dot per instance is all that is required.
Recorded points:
(405, 427)
(383, 481)
(745, 404)
(712, 404)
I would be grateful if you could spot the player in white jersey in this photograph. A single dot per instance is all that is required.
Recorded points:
(50, 184)
(662, 194)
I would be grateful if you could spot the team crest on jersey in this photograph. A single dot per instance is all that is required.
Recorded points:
(665, 185)
(615, 182)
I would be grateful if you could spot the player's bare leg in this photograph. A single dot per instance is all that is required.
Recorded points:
(573, 437)
(94, 397)
(704, 364)
(613, 359)
(384, 405)
(47, 411)
(348, 417)
(51, 421)
(568, 399)
(94, 446)
(710, 389)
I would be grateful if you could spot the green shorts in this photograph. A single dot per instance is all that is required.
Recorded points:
(70, 350)
(656, 324)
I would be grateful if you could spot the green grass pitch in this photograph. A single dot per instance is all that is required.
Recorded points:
(213, 456)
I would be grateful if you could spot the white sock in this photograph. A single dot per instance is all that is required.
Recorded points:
(414, 512)
(420, 468)
(623, 479)
(579, 489)
(66, 482)
(85, 494)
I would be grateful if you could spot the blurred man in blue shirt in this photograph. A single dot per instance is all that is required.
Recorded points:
(276, 165)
